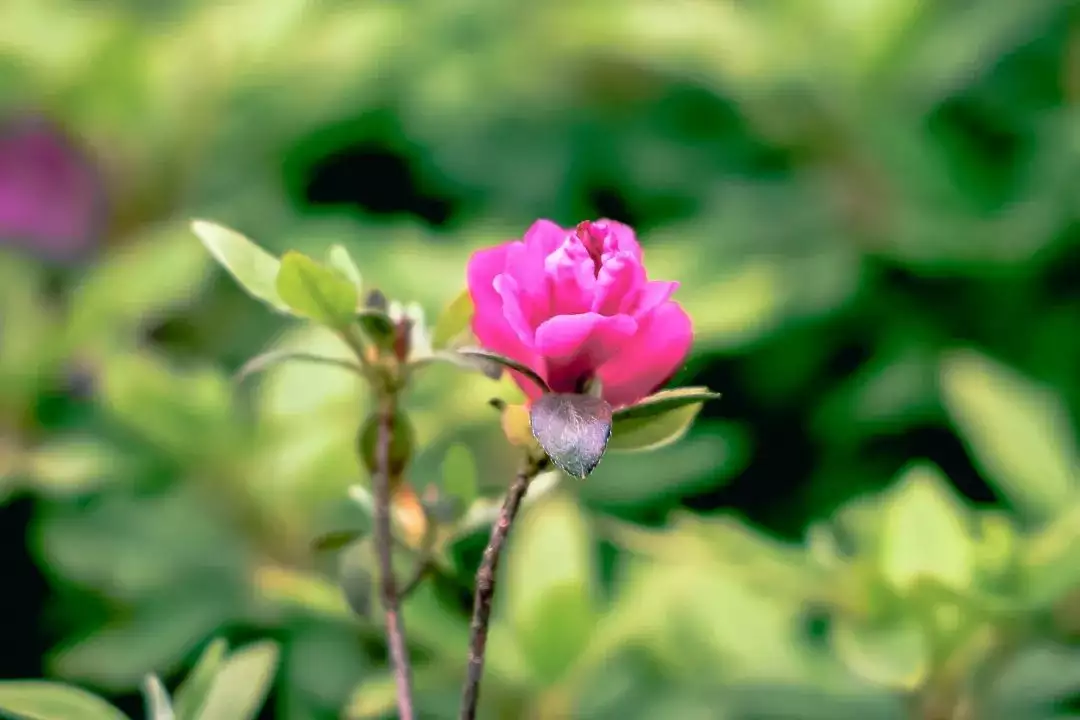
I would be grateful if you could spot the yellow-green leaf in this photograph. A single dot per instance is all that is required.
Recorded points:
(453, 321)
(252, 267)
(315, 291)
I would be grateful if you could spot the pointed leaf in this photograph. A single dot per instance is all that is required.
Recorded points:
(241, 687)
(573, 430)
(315, 291)
(1019, 433)
(259, 363)
(252, 267)
(658, 420)
(453, 321)
(191, 695)
(336, 539)
(354, 577)
(158, 705)
(478, 358)
(459, 475)
(924, 535)
(377, 326)
(340, 259)
(42, 700)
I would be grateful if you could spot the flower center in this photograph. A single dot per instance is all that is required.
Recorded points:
(592, 239)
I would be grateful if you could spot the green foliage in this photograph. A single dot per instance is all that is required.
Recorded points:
(845, 194)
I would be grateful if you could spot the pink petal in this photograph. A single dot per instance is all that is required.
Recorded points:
(512, 309)
(623, 237)
(574, 346)
(545, 236)
(571, 279)
(651, 358)
(653, 294)
(618, 284)
(489, 322)
(525, 265)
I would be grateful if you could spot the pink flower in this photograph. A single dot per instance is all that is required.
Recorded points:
(574, 305)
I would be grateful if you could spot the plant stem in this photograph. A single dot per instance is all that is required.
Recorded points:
(395, 629)
(485, 585)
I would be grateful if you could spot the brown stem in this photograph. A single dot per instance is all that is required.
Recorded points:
(395, 629)
(485, 586)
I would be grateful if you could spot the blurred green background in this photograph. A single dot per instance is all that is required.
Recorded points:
(871, 207)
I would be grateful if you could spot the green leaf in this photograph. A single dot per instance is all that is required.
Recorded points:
(453, 321)
(1050, 559)
(42, 700)
(377, 327)
(895, 655)
(375, 697)
(1019, 433)
(267, 360)
(241, 686)
(317, 292)
(573, 430)
(158, 705)
(402, 443)
(658, 420)
(459, 477)
(336, 539)
(480, 359)
(354, 577)
(340, 259)
(924, 534)
(551, 585)
(252, 267)
(191, 695)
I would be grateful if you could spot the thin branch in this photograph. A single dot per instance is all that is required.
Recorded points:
(485, 586)
(395, 629)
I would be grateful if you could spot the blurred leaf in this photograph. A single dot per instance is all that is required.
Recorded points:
(459, 478)
(41, 700)
(402, 443)
(453, 321)
(137, 283)
(316, 292)
(340, 259)
(182, 411)
(1050, 559)
(355, 577)
(377, 327)
(573, 430)
(66, 466)
(241, 686)
(252, 267)
(550, 585)
(191, 695)
(924, 534)
(1019, 433)
(158, 705)
(337, 539)
(658, 420)
(375, 697)
(894, 655)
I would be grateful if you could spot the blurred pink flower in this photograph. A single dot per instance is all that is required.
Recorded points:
(51, 198)
(574, 305)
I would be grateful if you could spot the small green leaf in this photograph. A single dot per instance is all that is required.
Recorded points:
(336, 540)
(573, 430)
(402, 442)
(354, 577)
(241, 687)
(267, 360)
(453, 321)
(315, 291)
(459, 475)
(252, 267)
(377, 327)
(658, 420)
(924, 535)
(1019, 433)
(158, 705)
(894, 655)
(340, 259)
(480, 359)
(42, 700)
(191, 695)
(376, 697)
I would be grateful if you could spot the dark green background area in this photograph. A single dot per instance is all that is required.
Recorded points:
(871, 208)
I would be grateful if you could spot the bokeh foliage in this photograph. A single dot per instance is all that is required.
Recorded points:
(870, 206)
